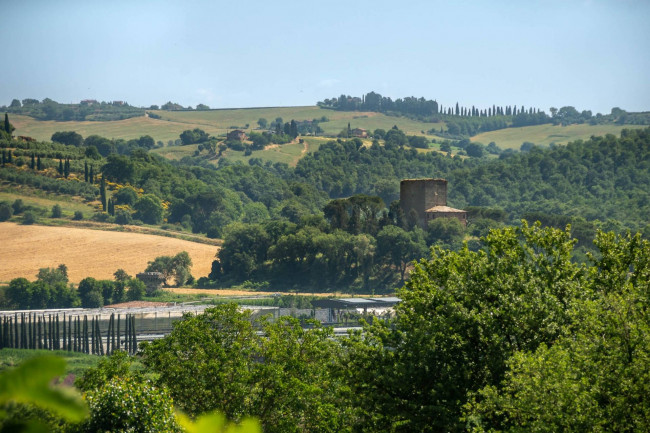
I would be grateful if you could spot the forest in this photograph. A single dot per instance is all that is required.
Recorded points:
(512, 337)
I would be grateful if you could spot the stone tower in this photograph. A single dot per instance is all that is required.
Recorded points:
(422, 195)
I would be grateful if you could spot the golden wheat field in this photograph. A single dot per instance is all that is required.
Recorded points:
(24, 249)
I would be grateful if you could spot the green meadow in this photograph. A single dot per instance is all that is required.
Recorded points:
(544, 135)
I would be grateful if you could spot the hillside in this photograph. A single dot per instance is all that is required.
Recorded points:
(89, 253)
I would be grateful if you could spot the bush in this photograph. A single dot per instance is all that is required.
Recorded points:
(29, 218)
(78, 215)
(136, 290)
(56, 211)
(139, 406)
(18, 206)
(5, 211)
(123, 217)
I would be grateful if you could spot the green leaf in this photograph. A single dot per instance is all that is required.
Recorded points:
(31, 383)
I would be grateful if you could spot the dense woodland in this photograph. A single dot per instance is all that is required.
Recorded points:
(512, 337)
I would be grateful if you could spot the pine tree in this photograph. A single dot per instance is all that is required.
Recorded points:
(102, 192)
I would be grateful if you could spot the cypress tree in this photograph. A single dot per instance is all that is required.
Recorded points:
(32, 164)
(65, 335)
(4, 157)
(9, 157)
(39, 165)
(57, 334)
(93, 339)
(102, 193)
(16, 332)
(85, 335)
(39, 329)
(86, 171)
(69, 333)
(61, 167)
(7, 126)
(66, 168)
(91, 175)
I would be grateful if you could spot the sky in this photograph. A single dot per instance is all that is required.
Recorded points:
(590, 54)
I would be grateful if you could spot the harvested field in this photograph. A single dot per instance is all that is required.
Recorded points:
(89, 253)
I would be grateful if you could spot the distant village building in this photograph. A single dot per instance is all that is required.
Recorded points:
(152, 280)
(89, 102)
(428, 199)
(236, 135)
(359, 132)
(119, 103)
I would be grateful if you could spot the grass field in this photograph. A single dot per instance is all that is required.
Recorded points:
(512, 138)
(39, 198)
(215, 122)
(25, 249)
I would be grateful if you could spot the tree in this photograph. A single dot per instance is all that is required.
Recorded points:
(149, 209)
(70, 138)
(7, 126)
(177, 266)
(213, 370)
(103, 145)
(594, 378)
(6, 211)
(126, 195)
(262, 122)
(136, 289)
(56, 211)
(90, 293)
(399, 248)
(462, 315)
(129, 404)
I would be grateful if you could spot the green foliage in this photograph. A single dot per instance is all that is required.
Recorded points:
(6, 211)
(215, 422)
(118, 365)
(130, 405)
(149, 209)
(30, 383)
(217, 361)
(593, 379)
(177, 266)
(56, 211)
(462, 315)
(137, 290)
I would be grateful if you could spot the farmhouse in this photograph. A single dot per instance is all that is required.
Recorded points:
(236, 135)
(359, 132)
(427, 198)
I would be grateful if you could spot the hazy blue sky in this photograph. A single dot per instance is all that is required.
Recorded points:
(592, 54)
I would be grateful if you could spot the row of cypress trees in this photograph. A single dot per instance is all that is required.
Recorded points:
(34, 331)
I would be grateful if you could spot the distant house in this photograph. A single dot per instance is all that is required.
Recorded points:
(152, 280)
(119, 103)
(359, 132)
(88, 102)
(236, 135)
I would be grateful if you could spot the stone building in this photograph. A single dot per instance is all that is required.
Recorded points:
(428, 198)
(236, 135)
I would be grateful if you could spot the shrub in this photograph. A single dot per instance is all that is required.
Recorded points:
(78, 215)
(123, 217)
(5, 211)
(126, 404)
(56, 211)
(29, 218)
(18, 206)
